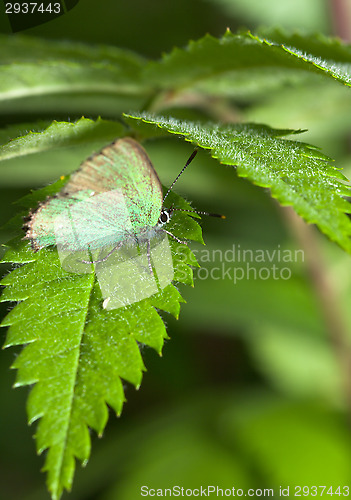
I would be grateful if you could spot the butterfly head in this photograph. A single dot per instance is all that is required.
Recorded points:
(165, 215)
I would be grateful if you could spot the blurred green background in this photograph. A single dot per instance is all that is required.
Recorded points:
(249, 392)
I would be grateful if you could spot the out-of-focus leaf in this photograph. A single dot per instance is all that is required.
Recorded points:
(293, 444)
(276, 13)
(30, 68)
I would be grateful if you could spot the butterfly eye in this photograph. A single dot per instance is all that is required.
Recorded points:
(164, 217)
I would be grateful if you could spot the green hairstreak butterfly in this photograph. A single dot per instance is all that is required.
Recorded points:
(113, 202)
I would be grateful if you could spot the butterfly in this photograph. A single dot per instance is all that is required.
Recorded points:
(113, 201)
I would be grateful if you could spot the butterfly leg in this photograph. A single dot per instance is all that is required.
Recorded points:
(104, 258)
(174, 237)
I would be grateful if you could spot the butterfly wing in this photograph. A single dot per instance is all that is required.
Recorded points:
(122, 168)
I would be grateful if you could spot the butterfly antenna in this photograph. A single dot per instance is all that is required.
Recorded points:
(210, 214)
(192, 156)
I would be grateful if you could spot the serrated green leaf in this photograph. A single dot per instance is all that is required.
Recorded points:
(214, 65)
(328, 48)
(298, 174)
(9, 132)
(77, 353)
(61, 134)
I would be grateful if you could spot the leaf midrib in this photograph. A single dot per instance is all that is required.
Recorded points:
(76, 370)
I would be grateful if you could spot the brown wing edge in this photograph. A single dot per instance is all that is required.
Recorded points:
(71, 186)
